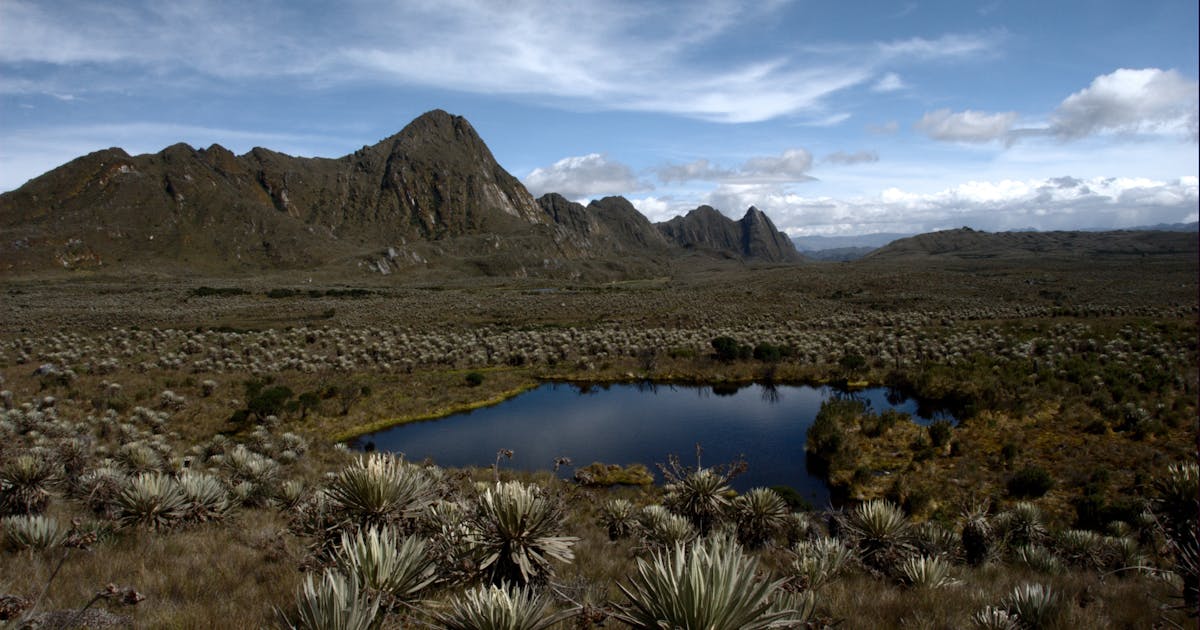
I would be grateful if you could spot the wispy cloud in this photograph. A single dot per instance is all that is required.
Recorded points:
(858, 157)
(951, 46)
(621, 55)
(966, 126)
(791, 166)
(890, 82)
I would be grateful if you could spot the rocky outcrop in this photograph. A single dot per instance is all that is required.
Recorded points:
(752, 238)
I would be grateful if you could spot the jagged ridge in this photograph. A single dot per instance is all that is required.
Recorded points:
(430, 195)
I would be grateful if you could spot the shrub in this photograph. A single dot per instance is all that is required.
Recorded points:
(1020, 525)
(926, 572)
(24, 485)
(515, 529)
(1030, 482)
(1082, 548)
(205, 498)
(1040, 559)
(618, 517)
(380, 489)
(819, 562)
(932, 539)
(1034, 605)
(502, 607)
(334, 602)
(474, 379)
(851, 364)
(881, 532)
(994, 618)
(662, 529)
(709, 585)
(940, 432)
(151, 500)
(977, 535)
(727, 349)
(1176, 500)
(768, 352)
(30, 532)
(759, 515)
(702, 497)
(383, 562)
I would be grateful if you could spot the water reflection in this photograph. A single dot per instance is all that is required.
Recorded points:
(639, 423)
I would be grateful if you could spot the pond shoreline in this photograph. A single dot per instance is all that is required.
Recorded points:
(594, 381)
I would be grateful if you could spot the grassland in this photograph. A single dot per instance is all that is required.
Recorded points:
(1085, 371)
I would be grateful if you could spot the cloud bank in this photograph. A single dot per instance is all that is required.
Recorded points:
(1044, 204)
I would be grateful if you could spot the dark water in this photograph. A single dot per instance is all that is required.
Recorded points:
(625, 423)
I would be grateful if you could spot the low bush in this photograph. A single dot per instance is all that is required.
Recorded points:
(1030, 482)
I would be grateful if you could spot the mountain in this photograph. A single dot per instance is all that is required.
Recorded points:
(967, 244)
(839, 254)
(752, 238)
(209, 210)
(431, 198)
(821, 243)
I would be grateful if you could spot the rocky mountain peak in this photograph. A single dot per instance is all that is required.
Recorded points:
(753, 237)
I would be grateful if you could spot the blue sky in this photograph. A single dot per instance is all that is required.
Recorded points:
(834, 118)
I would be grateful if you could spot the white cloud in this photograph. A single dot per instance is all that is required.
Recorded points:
(945, 47)
(858, 157)
(699, 170)
(890, 82)
(966, 126)
(791, 166)
(584, 176)
(658, 208)
(1045, 204)
(1130, 101)
(621, 55)
(1147, 101)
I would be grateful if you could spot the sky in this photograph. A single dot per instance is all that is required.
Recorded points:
(834, 118)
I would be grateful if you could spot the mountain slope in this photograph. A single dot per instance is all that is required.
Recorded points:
(429, 199)
(968, 244)
(210, 210)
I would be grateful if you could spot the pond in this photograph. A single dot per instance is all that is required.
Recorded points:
(642, 423)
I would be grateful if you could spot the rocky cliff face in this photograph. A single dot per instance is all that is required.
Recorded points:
(752, 238)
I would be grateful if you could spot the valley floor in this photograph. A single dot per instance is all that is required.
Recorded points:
(1077, 385)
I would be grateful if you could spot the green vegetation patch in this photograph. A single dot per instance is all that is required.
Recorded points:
(599, 474)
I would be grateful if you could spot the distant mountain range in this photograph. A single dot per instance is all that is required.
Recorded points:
(428, 200)
(967, 244)
(431, 196)
(846, 248)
